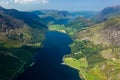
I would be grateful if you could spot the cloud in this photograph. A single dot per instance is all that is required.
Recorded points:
(44, 1)
(23, 1)
(6, 2)
(30, 1)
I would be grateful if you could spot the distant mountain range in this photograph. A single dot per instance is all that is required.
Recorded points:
(85, 14)
(53, 16)
(88, 18)
(108, 12)
(61, 17)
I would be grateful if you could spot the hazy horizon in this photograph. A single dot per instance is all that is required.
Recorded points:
(68, 5)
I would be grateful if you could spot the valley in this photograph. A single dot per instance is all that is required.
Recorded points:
(60, 45)
(48, 61)
(95, 48)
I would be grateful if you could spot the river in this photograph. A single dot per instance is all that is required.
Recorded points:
(49, 58)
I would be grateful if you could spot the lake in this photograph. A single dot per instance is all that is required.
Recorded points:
(49, 58)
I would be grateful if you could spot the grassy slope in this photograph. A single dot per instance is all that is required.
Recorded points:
(14, 55)
(94, 55)
(17, 52)
(102, 61)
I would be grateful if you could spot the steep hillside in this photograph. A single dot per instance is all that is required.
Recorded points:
(95, 51)
(21, 34)
(28, 17)
(106, 13)
(103, 33)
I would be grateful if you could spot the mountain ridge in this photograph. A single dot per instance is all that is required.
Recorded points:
(108, 12)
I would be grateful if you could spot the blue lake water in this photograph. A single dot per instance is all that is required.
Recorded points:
(49, 58)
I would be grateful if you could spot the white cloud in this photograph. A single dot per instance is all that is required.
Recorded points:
(5, 2)
(22, 4)
(44, 1)
(30, 1)
(23, 1)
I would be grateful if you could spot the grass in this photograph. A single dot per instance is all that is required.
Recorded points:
(8, 66)
(81, 65)
(64, 29)
(91, 53)
(13, 60)
(72, 62)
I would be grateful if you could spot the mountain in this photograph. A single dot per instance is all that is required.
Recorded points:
(106, 33)
(54, 16)
(85, 14)
(96, 49)
(54, 13)
(28, 17)
(61, 17)
(37, 12)
(108, 12)
(21, 34)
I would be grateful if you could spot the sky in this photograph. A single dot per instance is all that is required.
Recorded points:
(70, 5)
